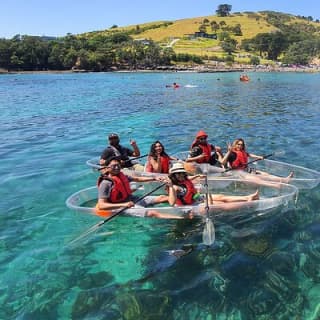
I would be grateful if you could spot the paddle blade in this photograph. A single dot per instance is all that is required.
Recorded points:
(278, 153)
(208, 234)
(273, 154)
(86, 234)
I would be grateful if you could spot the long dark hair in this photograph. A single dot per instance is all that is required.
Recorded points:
(153, 153)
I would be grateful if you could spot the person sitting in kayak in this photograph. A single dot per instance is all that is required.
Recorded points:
(158, 160)
(203, 152)
(187, 194)
(114, 191)
(237, 158)
(116, 149)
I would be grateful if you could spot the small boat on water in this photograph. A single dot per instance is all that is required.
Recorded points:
(303, 178)
(270, 197)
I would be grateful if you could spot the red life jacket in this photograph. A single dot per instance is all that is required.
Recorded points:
(188, 197)
(206, 149)
(241, 160)
(164, 160)
(120, 190)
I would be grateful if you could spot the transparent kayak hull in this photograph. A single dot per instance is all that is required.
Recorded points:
(271, 196)
(303, 178)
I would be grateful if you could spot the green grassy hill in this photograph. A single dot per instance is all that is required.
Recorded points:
(177, 33)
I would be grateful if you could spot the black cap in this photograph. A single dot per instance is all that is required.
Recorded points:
(113, 135)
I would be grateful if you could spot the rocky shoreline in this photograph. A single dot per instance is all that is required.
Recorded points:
(196, 69)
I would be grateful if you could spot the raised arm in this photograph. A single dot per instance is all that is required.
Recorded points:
(224, 160)
(172, 195)
(136, 151)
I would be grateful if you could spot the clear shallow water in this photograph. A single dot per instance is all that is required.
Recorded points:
(51, 124)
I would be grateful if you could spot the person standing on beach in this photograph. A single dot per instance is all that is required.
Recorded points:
(116, 149)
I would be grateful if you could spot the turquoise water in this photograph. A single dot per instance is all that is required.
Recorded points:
(52, 123)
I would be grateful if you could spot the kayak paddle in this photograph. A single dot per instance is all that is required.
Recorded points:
(111, 216)
(208, 234)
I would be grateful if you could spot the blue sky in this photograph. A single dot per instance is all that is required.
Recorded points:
(59, 17)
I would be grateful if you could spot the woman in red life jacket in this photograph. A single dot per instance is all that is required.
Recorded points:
(187, 194)
(237, 158)
(114, 191)
(203, 152)
(158, 160)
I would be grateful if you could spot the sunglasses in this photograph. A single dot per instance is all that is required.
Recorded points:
(202, 138)
(114, 166)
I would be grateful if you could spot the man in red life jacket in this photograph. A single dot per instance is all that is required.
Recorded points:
(114, 191)
(204, 152)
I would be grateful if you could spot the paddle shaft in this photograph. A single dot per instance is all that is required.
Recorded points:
(207, 195)
(208, 234)
(145, 155)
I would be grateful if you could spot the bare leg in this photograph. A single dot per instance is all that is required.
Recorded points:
(157, 214)
(160, 199)
(225, 198)
(263, 179)
(270, 177)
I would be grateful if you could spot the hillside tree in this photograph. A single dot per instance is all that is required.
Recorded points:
(223, 10)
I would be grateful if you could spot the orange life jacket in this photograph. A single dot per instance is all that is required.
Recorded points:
(164, 160)
(188, 197)
(241, 160)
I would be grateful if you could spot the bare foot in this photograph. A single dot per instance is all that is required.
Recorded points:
(288, 178)
(253, 196)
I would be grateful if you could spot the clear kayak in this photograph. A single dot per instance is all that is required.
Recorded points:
(303, 178)
(270, 197)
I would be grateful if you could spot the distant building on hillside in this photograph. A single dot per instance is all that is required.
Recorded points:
(143, 41)
(201, 34)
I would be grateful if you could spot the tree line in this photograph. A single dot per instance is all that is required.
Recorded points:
(117, 50)
(295, 43)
